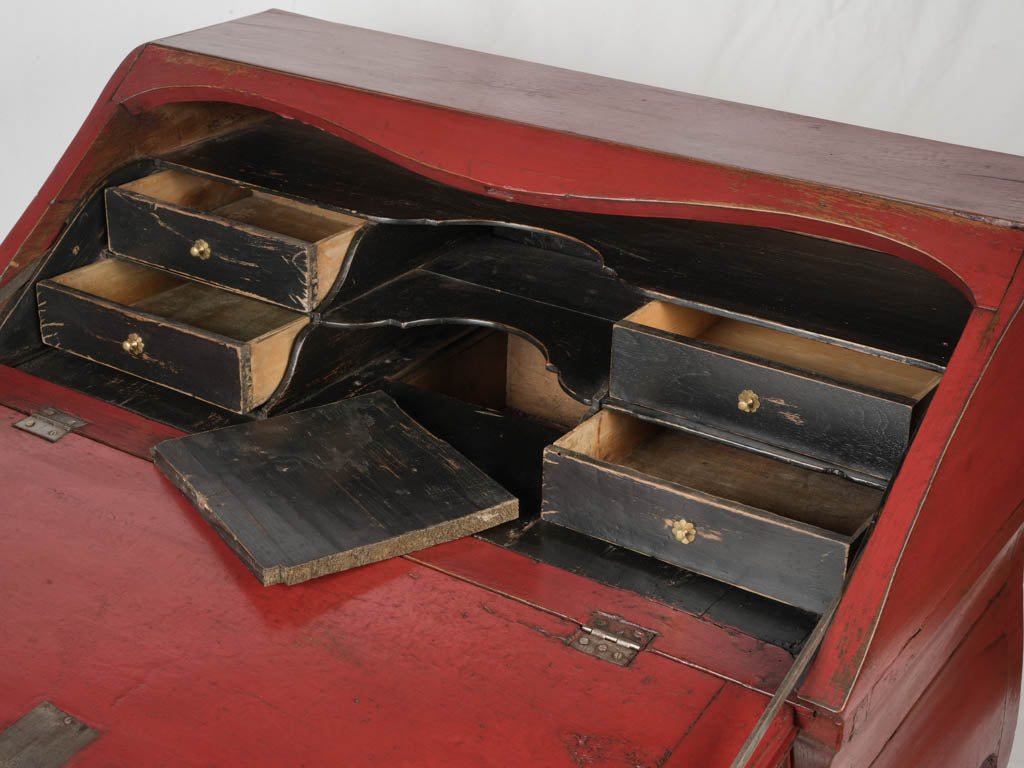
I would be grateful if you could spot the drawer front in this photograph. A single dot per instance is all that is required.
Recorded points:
(818, 418)
(238, 257)
(763, 553)
(204, 366)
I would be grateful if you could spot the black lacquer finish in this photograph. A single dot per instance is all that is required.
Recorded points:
(330, 488)
(204, 366)
(243, 258)
(849, 427)
(737, 544)
(852, 294)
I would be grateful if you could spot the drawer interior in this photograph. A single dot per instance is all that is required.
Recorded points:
(499, 371)
(270, 212)
(835, 362)
(815, 498)
(268, 331)
(193, 304)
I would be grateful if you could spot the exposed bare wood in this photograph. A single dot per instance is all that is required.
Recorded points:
(831, 360)
(188, 190)
(269, 358)
(531, 388)
(120, 281)
(816, 498)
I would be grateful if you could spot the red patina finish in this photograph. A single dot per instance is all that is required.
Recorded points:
(127, 607)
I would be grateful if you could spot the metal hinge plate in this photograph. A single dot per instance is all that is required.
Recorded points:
(50, 424)
(611, 638)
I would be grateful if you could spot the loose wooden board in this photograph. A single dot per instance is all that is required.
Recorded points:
(330, 488)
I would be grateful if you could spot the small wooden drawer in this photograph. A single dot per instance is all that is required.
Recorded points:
(220, 347)
(250, 242)
(752, 521)
(843, 406)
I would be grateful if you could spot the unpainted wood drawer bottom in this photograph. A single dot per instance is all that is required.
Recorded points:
(220, 347)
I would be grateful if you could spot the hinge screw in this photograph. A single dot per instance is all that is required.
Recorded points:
(584, 641)
(30, 423)
(602, 647)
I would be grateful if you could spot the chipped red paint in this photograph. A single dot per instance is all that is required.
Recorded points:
(945, 546)
(134, 616)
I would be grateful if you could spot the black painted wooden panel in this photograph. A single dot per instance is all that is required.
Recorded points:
(209, 367)
(577, 345)
(749, 548)
(837, 423)
(510, 449)
(828, 288)
(245, 259)
(80, 243)
(330, 488)
(538, 274)
(189, 414)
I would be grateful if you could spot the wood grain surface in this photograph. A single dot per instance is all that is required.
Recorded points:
(331, 488)
(852, 294)
(929, 173)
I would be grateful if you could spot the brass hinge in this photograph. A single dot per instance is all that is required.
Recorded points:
(50, 424)
(611, 638)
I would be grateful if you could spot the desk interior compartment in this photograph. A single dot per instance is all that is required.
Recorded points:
(245, 240)
(848, 407)
(774, 528)
(218, 346)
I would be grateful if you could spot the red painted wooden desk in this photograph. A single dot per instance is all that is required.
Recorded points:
(124, 609)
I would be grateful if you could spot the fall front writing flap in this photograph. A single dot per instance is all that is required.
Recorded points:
(330, 488)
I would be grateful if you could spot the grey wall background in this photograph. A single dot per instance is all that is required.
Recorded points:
(942, 69)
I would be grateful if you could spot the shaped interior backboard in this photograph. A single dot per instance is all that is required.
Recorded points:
(331, 488)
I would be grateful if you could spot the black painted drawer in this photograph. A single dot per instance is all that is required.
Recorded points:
(773, 528)
(843, 406)
(220, 347)
(273, 248)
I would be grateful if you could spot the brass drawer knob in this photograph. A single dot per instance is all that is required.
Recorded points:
(200, 249)
(748, 401)
(684, 531)
(133, 345)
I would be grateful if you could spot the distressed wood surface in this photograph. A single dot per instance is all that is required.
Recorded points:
(571, 171)
(95, 329)
(510, 448)
(331, 488)
(851, 427)
(734, 543)
(82, 242)
(226, 661)
(44, 737)
(110, 139)
(257, 263)
(223, 348)
(831, 288)
(695, 639)
(784, 535)
(930, 173)
(155, 404)
(277, 249)
(504, 262)
(577, 345)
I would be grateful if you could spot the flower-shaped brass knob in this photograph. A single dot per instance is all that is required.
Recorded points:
(684, 531)
(748, 401)
(133, 345)
(200, 249)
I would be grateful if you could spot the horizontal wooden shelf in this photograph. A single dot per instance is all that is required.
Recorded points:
(563, 304)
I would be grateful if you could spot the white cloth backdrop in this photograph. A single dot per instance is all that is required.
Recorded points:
(943, 69)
